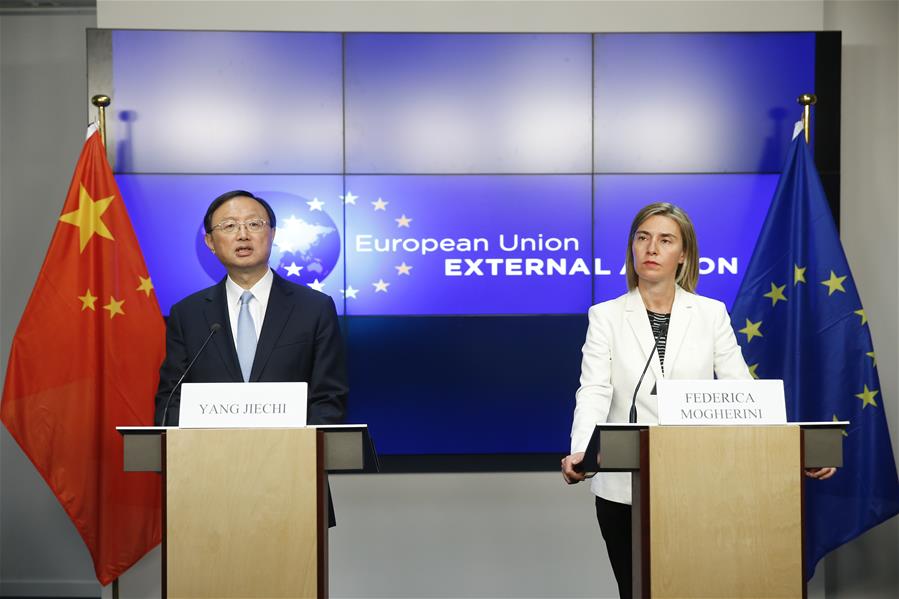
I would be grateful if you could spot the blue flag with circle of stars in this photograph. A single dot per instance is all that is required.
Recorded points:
(799, 318)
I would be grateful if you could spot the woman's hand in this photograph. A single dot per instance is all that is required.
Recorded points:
(571, 477)
(820, 473)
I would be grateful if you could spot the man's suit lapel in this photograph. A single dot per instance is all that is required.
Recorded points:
(216, 310)
(681, 313)
(635, 312)
(276, 315)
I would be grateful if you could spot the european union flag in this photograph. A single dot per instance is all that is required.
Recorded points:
(799, 318)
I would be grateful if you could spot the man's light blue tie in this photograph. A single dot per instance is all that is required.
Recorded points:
(246, 336)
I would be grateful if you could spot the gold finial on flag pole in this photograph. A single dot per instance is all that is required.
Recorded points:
(101, 101)
(807, 101)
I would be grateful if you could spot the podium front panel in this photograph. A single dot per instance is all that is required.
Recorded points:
(725, 512)
(243, 513)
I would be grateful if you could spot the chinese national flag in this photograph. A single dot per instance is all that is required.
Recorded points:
(84, 360)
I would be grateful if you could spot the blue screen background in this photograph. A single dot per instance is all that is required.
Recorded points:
(384, 154)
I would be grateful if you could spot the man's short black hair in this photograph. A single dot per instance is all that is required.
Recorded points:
(230, 195)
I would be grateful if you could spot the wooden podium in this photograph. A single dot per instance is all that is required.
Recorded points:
(245, 511)
(717, 510)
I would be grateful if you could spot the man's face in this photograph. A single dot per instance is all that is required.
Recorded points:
(241, 251)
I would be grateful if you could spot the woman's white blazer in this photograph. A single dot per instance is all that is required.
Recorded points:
(700, 345)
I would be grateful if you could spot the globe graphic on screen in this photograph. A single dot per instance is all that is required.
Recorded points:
(307, 241)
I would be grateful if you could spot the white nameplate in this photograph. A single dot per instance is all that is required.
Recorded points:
(243, 405)
(721, 402)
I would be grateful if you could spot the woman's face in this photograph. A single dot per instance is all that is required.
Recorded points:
(658, 250)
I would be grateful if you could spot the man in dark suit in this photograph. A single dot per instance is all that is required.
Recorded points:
(271, 330)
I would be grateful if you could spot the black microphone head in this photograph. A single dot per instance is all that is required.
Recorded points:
(214, 327)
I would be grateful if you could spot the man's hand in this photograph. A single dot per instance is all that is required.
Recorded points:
(820, 473)
(571, 477)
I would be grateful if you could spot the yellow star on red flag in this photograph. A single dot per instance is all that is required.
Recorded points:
(146, 285)
(114, 306)
(88, 218)
(87, 301)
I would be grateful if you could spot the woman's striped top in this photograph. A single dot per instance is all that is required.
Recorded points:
(659, 324)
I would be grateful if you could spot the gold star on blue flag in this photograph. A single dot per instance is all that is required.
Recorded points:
(815, 344)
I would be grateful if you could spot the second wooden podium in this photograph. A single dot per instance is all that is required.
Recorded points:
(717, 510)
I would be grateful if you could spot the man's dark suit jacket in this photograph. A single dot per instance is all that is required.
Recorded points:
(300, 341)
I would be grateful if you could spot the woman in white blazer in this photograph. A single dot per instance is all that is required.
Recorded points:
(693, 338)
(694, 341)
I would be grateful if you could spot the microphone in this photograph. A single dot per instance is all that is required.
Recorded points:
(213, 329)
(633, 415)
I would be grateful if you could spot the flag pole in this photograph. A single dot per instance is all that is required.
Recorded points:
(101, 101)
(807, 101)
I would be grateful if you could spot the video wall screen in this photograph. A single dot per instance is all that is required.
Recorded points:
(463, 198)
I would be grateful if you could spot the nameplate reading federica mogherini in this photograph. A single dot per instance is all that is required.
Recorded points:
(721, 402)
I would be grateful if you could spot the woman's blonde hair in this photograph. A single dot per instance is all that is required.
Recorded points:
(687, 273)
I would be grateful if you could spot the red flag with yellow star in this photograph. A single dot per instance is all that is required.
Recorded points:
(84, 360)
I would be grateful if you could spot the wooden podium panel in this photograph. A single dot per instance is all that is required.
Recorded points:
(726, 512)
(244, 514)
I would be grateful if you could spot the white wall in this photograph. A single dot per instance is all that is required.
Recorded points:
(464, 15)
(869, 195)
(42, 124)
(512, 535)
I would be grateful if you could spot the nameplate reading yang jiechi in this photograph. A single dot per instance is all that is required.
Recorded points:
(243, 405)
